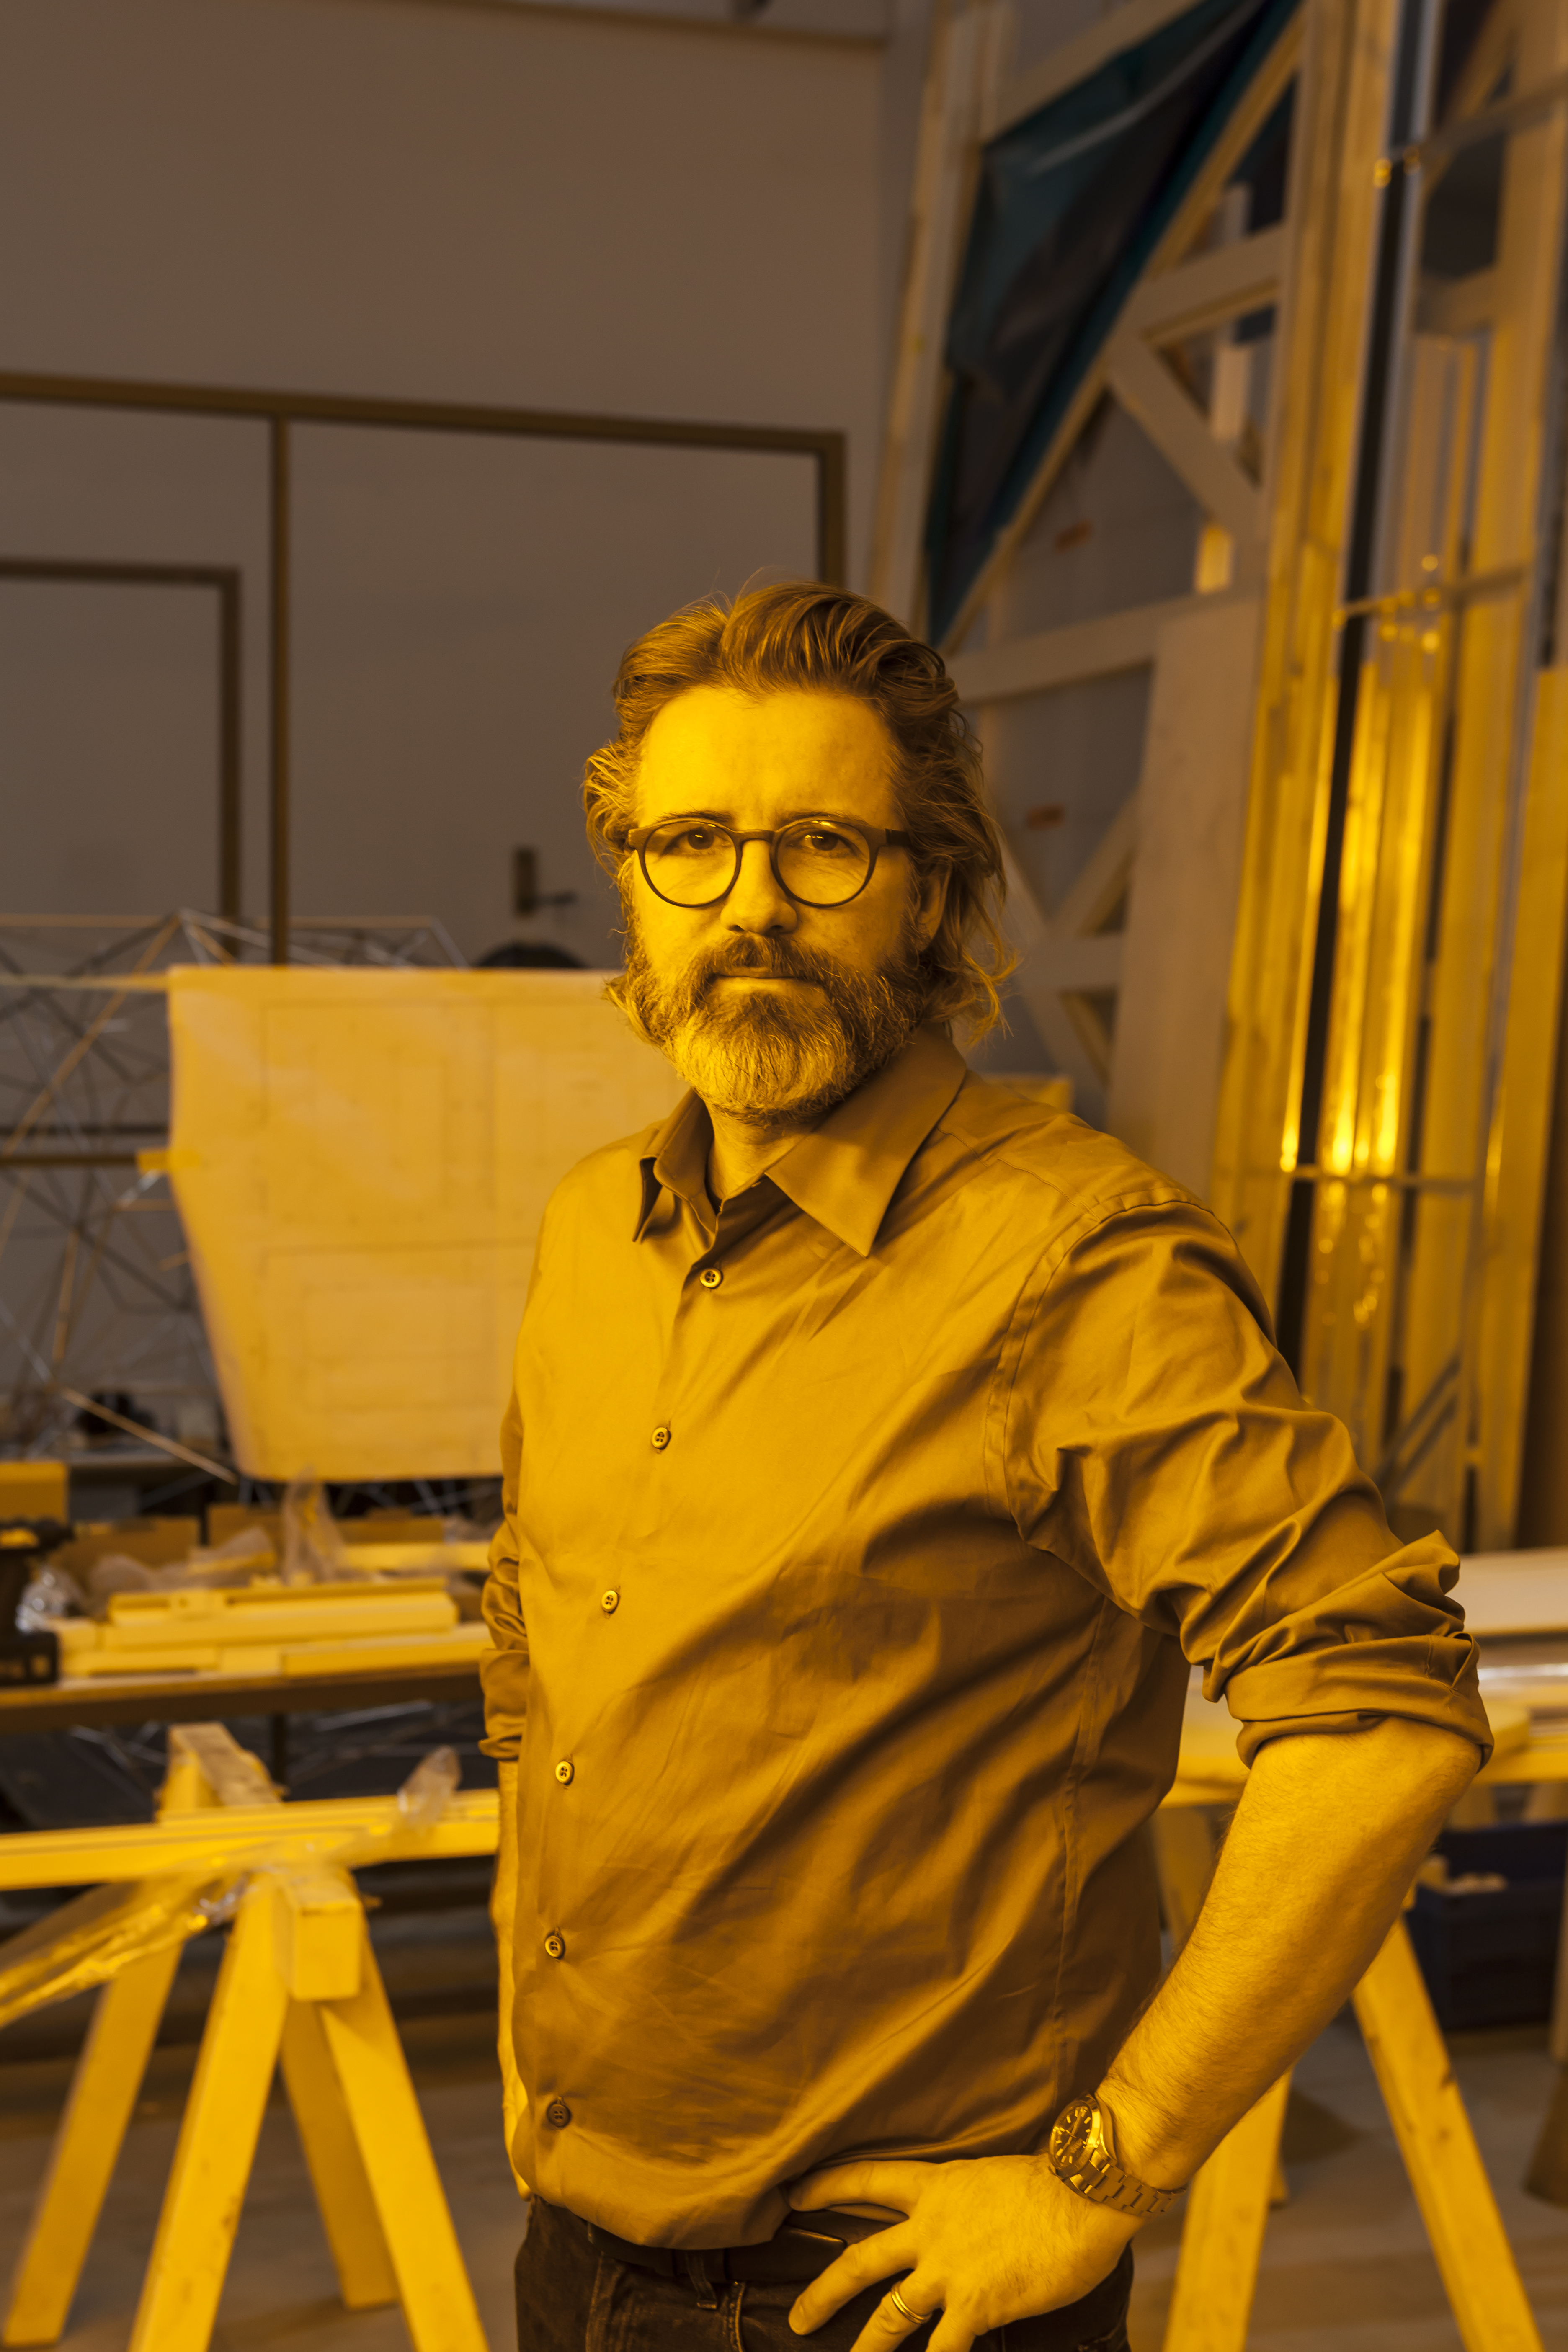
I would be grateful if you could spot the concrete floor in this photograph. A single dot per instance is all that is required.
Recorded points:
(1346, 2264)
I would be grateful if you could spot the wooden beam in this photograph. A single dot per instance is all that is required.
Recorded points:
(1105, 877)
(1455, 2197)
(1077, 966)
(361, 2255)
(1064, 959)
(1149, 393)
(1460, 306)
(216, 2145)
(1111, 643)
(1222, 2236)
(103, 2095)
(1218, 285)
(1033, 935)
(1272, 81)
(383, 2113)
(1077, 59)
(943, 167)
(234, 1840)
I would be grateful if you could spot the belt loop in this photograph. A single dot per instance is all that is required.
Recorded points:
(696, 2267)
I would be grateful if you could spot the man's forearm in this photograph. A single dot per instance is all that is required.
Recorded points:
(1323, 1846)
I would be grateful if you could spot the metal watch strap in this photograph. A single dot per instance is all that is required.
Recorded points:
(1080, 2154)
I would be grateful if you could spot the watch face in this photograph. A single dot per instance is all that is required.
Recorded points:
(1074, 2134)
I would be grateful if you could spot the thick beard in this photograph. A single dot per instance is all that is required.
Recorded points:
(773, 1061)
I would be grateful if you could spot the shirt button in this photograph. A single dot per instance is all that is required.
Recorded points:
(661, 1437)
(565, 1769)
(610, 1601)
(711, 1277)
(558, 2113)
(555, 1944)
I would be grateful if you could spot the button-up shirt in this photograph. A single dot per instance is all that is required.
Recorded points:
(857, 1540)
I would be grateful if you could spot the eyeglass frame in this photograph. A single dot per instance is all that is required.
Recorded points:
(877, 838)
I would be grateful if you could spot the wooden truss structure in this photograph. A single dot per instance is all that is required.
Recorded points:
(1313, 966)
(1079, 953)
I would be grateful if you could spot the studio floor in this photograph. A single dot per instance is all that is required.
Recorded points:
(1346, 2264)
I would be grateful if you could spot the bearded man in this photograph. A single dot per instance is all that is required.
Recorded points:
(885, 1452)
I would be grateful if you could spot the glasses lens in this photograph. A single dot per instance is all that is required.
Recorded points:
(689, 863)
(822, 863)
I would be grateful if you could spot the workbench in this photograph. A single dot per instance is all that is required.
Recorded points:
(95, 1701)
(99, 1699)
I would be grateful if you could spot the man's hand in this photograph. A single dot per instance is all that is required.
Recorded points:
(994, 2239)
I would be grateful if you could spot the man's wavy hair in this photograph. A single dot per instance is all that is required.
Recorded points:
(798, 634)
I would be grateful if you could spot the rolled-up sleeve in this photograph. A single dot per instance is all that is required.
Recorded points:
(1156, 1441)
(503, 1671)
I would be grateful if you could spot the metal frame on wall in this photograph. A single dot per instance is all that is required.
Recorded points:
(281, 411)
(225, 580)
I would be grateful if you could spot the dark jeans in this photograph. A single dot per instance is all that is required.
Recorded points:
(571, 2298)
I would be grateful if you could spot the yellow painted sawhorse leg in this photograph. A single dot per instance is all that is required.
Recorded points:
(343, 2194)
(1222, 2240)
(300, 1981)
(207, 1767)
(86, 2149)
(1222, 2236)
(218, 2139)
(399, 2166)
(1410, 2059)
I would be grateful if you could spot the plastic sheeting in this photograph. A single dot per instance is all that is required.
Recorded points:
(361, 1159)
(1070, 205)
(90, 1939)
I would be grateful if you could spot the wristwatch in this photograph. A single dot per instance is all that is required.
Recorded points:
(1082, 2152)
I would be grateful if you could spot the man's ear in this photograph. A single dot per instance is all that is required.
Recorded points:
(931, 902)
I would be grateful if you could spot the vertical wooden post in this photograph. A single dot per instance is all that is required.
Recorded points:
(278, 455)
(360, 2253)
(1407, 2052)
(218, 2139)
(1222, 2239)
(108, 2077)
(86, 2148)
(394, 2149)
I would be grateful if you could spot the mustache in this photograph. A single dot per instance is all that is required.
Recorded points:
(751, 953)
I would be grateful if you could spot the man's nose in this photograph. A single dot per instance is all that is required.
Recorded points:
(755, 902)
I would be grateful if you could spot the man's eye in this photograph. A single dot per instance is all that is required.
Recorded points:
(692, 840)
(827, 841)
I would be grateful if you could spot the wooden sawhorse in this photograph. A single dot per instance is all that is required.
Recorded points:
(297, 1984)
(1227, 2205)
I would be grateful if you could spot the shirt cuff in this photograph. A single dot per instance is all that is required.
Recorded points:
(1345, 1685)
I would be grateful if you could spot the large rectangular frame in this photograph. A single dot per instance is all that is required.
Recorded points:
(225, 578)
(281, 411)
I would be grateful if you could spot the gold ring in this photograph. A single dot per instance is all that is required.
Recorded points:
(918, 2318)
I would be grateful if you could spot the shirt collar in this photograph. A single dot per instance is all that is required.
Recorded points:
(846, 1172)
(676, 1160)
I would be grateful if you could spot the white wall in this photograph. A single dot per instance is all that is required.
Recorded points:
(368, 196)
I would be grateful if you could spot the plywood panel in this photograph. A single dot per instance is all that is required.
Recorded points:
(1186, 878)
(362, 1160)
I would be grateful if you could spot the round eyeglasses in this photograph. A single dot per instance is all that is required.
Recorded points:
(818, 861)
